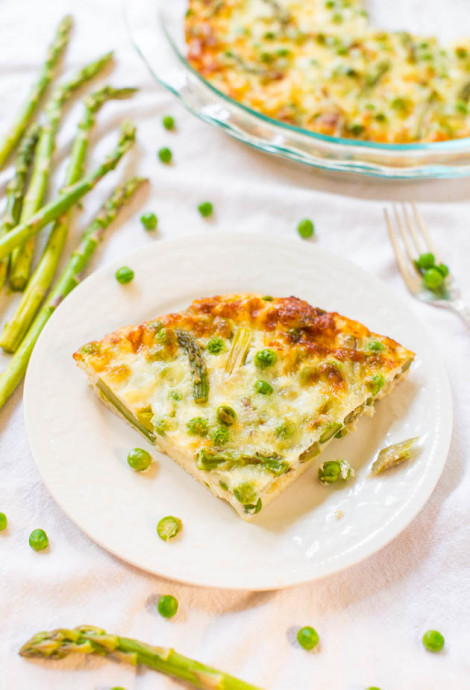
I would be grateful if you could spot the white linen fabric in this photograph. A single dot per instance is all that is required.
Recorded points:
(371, 617)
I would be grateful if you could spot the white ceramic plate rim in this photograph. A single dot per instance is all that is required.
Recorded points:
(398, 521)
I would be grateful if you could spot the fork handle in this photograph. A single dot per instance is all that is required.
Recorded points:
(461, 309)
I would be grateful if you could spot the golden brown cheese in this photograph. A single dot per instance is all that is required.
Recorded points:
(320, 65)
(244, 390)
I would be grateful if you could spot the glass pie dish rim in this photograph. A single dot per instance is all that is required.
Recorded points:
(343, 141)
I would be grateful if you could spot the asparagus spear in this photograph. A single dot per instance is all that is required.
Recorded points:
(41, 279)
(87, 639)
(69, 197)
(71, 276)
(239, 350)
(16, 189)
(213, 459)
(197, 364)
(55, 52)
(22, 256)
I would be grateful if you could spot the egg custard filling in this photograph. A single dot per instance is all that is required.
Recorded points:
(244, 391)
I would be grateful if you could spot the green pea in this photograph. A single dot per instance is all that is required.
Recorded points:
(461, 53)
(38, 540)
(426, 260)
(220, 436)
(266, 57)
(332, 470)
(226, 415)
(168, 527)
(329, 472)
(175, 395)
(139, 459)
(267, 298)
(215, 346)
(376, 346)
(433, 278)
(160, 425)
(265, 358)
(165, 155)
(376, 383)
(286, 430)
(198, 426)
(245, 493)
(263, 387)
(433, 640)
(356, 129)
(305, 228)
(206, 209)
(168, 122)
(124, 275)
(167, 606)
(149, 220)
(90, 349)
(398, 104)
(3, 522)
(442, 268)
(308, 637)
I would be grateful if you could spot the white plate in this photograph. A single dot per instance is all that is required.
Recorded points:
(80, 447)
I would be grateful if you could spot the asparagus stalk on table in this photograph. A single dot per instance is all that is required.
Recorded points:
(22, 257)
(16, 189)
(71, 276)
(54, 54)
(69, 197)
(42, 277)
(87, 639)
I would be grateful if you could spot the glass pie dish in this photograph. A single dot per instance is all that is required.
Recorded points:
(156, 28)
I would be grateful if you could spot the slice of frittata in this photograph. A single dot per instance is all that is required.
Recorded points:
(243, 391)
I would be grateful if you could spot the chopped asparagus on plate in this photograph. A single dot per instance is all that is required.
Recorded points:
(394, 455)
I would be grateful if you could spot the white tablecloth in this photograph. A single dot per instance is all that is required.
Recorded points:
(370, 617)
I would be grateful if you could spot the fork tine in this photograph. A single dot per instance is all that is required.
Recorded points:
(418, 241)
(410, 279)
(424, 231)
(405, 235)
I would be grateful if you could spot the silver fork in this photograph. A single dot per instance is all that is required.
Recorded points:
(415, 240)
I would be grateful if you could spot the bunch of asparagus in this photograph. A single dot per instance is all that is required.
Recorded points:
(26, 212)
(88, 639)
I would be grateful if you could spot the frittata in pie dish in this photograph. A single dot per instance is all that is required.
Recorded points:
(320, 65)
(244, 391)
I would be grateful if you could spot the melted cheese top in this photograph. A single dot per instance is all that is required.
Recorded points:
(321, 66)
(320, 368)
